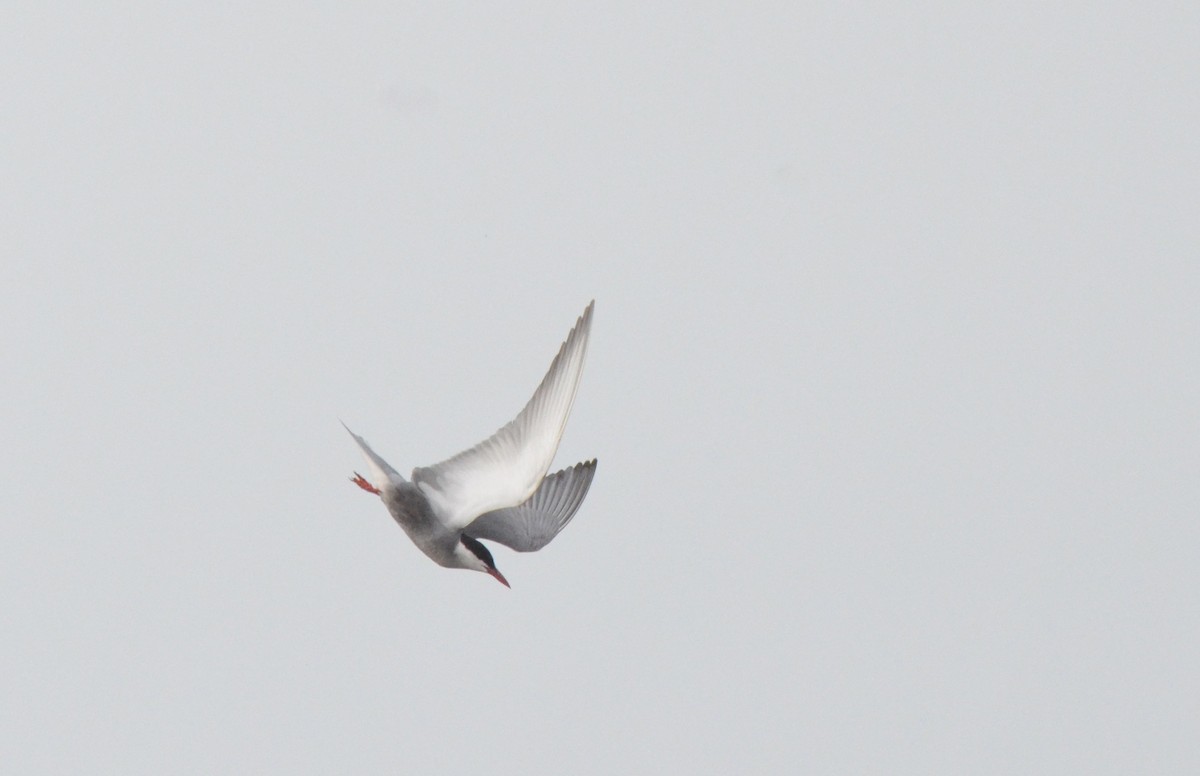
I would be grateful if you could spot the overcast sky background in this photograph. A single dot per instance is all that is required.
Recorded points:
(893, 382)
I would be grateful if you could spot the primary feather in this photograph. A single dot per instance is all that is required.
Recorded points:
(532, 525)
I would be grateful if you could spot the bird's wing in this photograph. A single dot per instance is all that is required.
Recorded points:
(381, 471)
(505, 470)
(532, 525)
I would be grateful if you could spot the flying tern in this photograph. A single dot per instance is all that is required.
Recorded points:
(498, 489)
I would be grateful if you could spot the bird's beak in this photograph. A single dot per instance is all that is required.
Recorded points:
(496, 573)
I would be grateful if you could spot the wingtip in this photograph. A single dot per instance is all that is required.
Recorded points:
(583, 323)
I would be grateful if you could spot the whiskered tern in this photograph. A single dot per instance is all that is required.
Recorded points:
(497, 490)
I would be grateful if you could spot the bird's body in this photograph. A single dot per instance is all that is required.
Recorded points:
(411, 509)
(498, 489)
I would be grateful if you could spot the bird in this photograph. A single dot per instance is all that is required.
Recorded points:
(498, 490)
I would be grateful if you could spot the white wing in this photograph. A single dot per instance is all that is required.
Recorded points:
(532, 525)
(507, 468)
(381, 472)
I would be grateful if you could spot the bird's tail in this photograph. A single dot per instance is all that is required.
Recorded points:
(381, 471)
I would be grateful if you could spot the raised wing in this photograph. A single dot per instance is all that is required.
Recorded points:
(381, 472)
(505, 470)
(533, 524)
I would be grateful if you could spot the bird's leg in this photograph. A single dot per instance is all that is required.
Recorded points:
(358, 480)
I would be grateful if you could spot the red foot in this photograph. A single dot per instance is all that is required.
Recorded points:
(358, 480)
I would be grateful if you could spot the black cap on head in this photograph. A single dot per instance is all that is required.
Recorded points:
(481, 552)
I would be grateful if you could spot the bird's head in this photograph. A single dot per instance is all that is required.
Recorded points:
(475, 556)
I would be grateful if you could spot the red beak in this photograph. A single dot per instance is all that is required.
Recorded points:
(496, 573)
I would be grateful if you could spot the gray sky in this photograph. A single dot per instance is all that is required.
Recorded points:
(893, 383)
